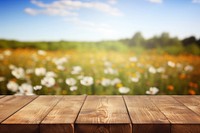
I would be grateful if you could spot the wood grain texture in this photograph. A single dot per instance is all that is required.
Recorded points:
(103, 112)
(103, 128)
(11, 104)
(28, 118)
(192, 102)
(57, 128)
(145, 116)
(177, 114)
(62, 117)
(19, 128)
(100, 114)
(184, 128)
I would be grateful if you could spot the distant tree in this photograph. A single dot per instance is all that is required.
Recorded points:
(189, 41)
(3, 44)
(193, 49)
(125, 41)
(198, 42)
(175, 42)
(152, 42)
(164, 39)
(137, 40)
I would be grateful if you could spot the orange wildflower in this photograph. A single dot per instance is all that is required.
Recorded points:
(170, 87)
(193, 85)
(182, 76)
(14, 80)
(191, 92)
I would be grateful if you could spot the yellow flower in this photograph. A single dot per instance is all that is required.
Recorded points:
(132, 64)
(119, 85)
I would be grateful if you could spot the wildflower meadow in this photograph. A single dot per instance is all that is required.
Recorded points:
(71, 72)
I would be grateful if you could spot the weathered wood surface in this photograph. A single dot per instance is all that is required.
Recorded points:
(63, 115)
(99, 114)
(27, 119)
(145, 116)
(103, 114)
(182, 119)
(11, 104)
(192, 102)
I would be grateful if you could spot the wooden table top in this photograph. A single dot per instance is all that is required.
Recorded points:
(100, 114)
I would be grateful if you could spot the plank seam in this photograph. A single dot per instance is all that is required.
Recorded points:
(170, 124)
(20, 108)
(128, 114)
(39, 124)
(185, 105)
(73, 125)
(50, 110)
(80, 109)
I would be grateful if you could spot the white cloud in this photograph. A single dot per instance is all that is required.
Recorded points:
(101, 28)
(156, 1)
(31, 11)
(196, 1)
(112, 1)
(69, 11)
(50, 11)
(71, 7)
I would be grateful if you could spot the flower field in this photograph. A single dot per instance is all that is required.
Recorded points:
(30, 72)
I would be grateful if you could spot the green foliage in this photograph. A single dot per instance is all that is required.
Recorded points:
(111, 45)
(137, 40)
(175, 50)
(138, 50)
(138, 44)
(193, 49)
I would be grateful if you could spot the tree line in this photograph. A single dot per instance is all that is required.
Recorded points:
(165, 42)
(161, 43)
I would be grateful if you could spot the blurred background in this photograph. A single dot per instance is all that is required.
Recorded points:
(75, 47)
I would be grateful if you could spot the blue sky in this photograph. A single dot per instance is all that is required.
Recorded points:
(93, 20)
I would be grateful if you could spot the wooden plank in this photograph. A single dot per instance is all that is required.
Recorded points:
(145, 116)
(192, 102)
(11, 104)
(103, 128)
(182, 119)
(103, 114)
(1, 96)
(27, 119)
(61, 119)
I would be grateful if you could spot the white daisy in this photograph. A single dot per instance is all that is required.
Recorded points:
(76, 70)
(18, 73)
(124, 90)
(152, 91)
(37, 87)
(12, 86)
(73, 88)
(105, 82)
(115, 81)
(70, 81)
(40, 71)
(26, 89)
(87, 81)
(48, 81)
